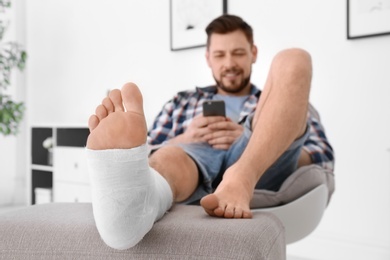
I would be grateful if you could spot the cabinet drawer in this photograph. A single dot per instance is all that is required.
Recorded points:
(70, 164)
(70, 192)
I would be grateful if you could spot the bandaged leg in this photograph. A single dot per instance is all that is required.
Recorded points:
(127, 195)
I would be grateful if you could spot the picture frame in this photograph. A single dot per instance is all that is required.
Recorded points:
(188, 20)
(368, 18)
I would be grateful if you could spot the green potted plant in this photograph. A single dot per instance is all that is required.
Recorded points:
(11, 56)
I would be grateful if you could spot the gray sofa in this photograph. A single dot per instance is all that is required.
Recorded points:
(68, 231)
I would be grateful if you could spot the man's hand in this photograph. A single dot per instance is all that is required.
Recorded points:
(198, 130)
(223, 133)
(220, 132)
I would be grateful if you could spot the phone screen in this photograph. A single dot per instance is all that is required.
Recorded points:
(214, 108)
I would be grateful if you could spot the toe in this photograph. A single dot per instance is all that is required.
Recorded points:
(107, 103)
(229, 212)
(209, 204)
(238, 212)
(93, 122)
(132, 98)
(220, 212)
(101, 112)
(116, 99)
(247, 214)
(210, 212)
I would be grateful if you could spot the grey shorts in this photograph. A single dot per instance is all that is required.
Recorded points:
(212, 163)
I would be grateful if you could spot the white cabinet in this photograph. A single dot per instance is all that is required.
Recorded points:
(67, 177)
(71, 192)
(70, 175)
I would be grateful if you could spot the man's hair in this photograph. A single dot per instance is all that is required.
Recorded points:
(228, 23)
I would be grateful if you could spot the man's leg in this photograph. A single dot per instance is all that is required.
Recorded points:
(127, 195)
(280, 118)
(178, 169)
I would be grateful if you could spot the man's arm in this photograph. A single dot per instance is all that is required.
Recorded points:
(199, 130)
(163, 126)
(169, 127)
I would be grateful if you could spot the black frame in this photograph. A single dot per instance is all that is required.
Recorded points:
(349, 26)
(173, 46)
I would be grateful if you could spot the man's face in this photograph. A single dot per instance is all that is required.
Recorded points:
(230, 57)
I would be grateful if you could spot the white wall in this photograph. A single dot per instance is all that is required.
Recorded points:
(12, 148)
(79, 49)
(7, 169)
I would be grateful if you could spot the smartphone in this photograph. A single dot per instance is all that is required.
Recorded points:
(214, 108)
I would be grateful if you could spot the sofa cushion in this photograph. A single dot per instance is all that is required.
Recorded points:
(68, 231)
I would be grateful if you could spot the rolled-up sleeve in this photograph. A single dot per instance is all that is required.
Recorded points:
(317, 144)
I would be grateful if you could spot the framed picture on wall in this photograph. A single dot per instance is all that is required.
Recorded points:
(188, 20)
(367, 18)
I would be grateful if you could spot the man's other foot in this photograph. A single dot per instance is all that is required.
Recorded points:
(230, 200)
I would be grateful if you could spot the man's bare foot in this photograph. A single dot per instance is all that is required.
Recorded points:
(231, 198)
(119, 121)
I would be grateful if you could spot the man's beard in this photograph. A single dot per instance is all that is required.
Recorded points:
(235, 88)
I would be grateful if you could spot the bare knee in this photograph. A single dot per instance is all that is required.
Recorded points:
(178, 169)
(294, 59)
(167, 157)
(294, 54)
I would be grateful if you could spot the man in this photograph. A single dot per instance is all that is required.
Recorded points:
(258, 145)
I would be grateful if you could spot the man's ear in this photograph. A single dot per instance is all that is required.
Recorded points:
(254, 53)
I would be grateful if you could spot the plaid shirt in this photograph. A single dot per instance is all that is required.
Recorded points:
(178, 113)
